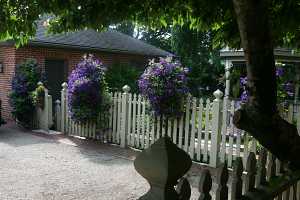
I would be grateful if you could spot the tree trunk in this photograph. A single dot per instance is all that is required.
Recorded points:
(259, 116)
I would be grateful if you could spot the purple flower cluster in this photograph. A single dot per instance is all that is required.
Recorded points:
(279, 72)
(23, 84)
(244, 96)
(85, 88)
(243, 81)
(289, 89)
(164, 83)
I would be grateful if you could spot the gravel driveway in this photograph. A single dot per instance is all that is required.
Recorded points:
(38, 167)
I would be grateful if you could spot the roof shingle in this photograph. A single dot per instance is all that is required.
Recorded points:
(111, 41)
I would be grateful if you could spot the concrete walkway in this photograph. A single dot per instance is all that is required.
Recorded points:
(37, 167)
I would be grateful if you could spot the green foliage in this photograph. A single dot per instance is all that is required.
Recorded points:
(160, 37)
(195, 50)
(18, 17)
(126, 27)
(119, 75)
(235, 75)
(23, 84)
(38, 96)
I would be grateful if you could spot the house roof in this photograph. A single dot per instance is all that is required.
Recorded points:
(89, 39)
(280, 54)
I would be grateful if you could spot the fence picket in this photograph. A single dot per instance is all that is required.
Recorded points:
(231, 134)
(187, 124)
(207, 129)
(73, 131)
(246, 148)
(138, 119)
(192, 139)
(153, 130)
(110, 122)
(224, 129)
(175, 131)
(249, 182)
(129, 131)
(134, 102)
(238, 143)
(87, 128)
(286, 194)
(169, 127)
(180, 138)
(143, 120)
(119, 110)
(114, 131)
(199, 129)
(163, 124)
(147, 142)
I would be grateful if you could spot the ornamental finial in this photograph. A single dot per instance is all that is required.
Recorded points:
(126, 88)
(218, 94)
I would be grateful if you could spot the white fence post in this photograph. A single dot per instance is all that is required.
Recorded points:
(45, 115)
(58, 115)
(64, 107)
(50, 111)
(124, 123)
(216, 129)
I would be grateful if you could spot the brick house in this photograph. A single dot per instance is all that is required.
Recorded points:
(58, 54)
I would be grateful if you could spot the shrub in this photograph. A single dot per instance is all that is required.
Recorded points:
(38, 96)
(119, 75)
(24, 83)
(87, 90)
(164, 83)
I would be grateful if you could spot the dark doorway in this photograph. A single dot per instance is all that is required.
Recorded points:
(56, 74)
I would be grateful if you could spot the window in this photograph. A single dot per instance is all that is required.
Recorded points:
(1, 67)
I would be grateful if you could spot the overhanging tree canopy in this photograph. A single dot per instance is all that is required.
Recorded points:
(256, 25)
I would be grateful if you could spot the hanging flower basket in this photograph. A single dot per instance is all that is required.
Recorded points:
(164, 84)
(87, 90)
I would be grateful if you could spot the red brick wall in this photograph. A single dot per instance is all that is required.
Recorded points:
(10, 57)
(74, 56)
(7, 58)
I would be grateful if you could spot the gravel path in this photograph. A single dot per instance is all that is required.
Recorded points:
(37, 167)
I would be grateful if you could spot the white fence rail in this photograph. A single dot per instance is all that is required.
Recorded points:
(205, 130)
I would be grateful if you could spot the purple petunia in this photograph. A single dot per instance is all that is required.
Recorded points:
(164, 83)
(85, 87)
(244, 96)
(279, 72)
(243, 80)
(289, 89)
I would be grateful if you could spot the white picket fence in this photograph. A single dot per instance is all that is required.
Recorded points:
(205, 130)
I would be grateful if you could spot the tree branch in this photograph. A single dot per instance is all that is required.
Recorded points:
(277, 135)
(259, 116)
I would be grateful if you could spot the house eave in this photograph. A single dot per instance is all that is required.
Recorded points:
(280, 54)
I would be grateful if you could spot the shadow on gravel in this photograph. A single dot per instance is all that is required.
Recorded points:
(16, 137)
